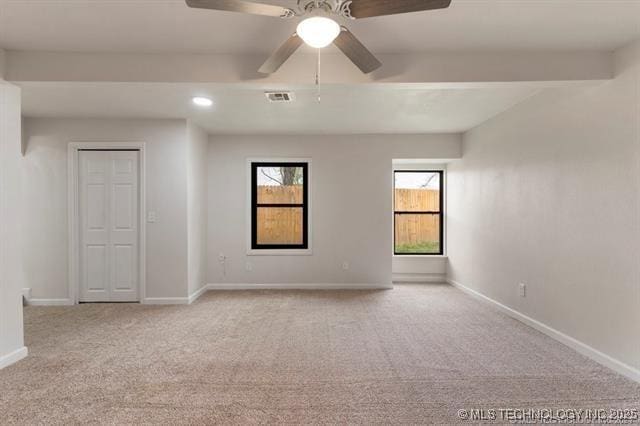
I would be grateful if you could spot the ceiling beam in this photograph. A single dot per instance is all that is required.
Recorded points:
(441, 69)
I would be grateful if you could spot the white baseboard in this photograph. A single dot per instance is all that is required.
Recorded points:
(13, 357)
(586, 350)
(419, 278)
(26, 293)
(212, 287)
(298, 286)
(196, 294)
(175, 300)
(50, 302)
(165, 301)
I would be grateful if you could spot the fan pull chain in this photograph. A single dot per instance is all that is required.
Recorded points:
(318, 76)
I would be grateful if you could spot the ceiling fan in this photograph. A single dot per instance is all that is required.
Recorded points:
(319, 27)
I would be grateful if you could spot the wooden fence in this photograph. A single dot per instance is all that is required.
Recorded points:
(284, 225)
(280, 225)
(411, 200)
(419, 228)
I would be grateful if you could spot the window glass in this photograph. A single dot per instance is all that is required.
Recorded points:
(417, 234)
(279, 206)
(280, 225)
(417, 191)
(418, 226)
(280, 185)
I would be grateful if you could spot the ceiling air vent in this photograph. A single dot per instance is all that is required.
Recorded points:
(280, 97)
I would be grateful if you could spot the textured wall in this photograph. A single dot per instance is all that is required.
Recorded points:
(45, 174)
(11, 227)
(197, 145)
(351, 197)
(548, 194)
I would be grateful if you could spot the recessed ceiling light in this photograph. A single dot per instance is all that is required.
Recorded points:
(202, 101)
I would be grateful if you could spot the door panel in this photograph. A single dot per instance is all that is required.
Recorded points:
(96, 217)
(96, 270)
(94, 234)
(124, 225)
(123, 203)
(109, 237)
(123, 166)
(124, 266)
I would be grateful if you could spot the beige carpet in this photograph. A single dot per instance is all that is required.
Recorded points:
(416, 354)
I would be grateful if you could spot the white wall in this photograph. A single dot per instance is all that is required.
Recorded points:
(197, 146)
(548, 194)
(11, 230)
(351, 196)
(45, 186)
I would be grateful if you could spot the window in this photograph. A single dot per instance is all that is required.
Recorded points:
(279, 206)
(418, 213)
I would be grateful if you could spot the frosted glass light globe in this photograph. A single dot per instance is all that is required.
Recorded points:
(318, 31)
(202, 101)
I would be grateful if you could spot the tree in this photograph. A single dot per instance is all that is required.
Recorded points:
(285, 176)
(289, 175)
(431, 178)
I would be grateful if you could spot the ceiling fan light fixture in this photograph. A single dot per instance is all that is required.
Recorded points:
(201, 101)
(318, 31)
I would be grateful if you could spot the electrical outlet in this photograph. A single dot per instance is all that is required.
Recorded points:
(523, 290)
(345, 266)
(152, 217)
(248, 266)
(222, 258)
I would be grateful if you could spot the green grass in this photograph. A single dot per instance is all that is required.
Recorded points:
(427, 247)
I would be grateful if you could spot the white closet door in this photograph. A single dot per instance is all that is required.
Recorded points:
(109, 264)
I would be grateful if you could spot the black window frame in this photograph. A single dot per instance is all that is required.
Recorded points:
(433, 213)
(255, 205)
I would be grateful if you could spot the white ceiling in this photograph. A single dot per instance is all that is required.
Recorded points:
(170, 26)
(244, 109)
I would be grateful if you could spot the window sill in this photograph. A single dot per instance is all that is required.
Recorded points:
(295, 252)
(420, 256)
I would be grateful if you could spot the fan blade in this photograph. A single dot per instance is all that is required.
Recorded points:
(243, 6)
(369, 8)
(281, 55)
(356, 51)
